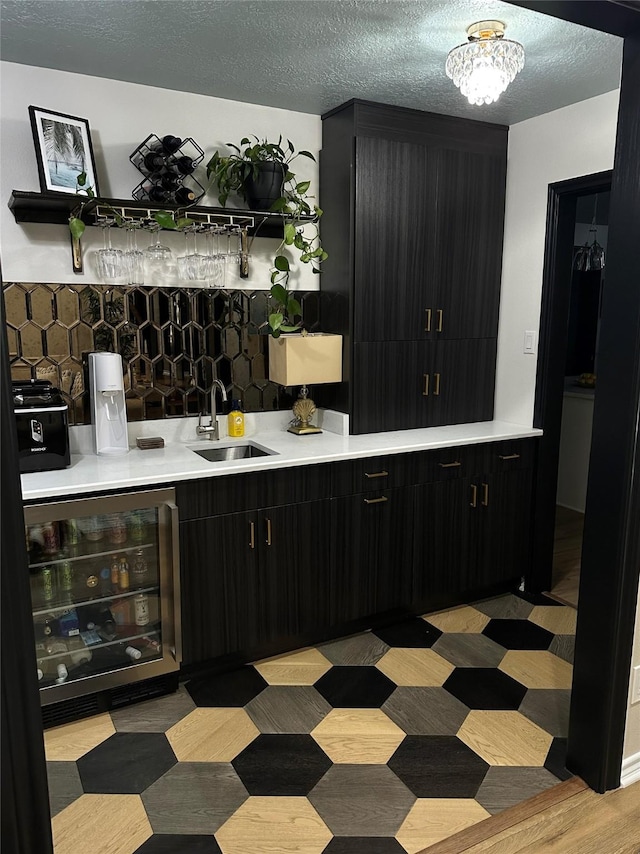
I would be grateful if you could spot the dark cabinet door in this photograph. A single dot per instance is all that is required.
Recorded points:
(445, 525)
(252, 579)
(219, 573)
(459, 378)
(372, 554)
(394, 239)
(468, 245)
(505, 529)
(399, 385)
(295, 569)
(387, 388)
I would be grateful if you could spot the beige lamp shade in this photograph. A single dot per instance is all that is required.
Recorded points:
(305, 359)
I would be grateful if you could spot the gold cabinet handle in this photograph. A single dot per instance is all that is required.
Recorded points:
(376, 500)
(268, 532)
(440, 314)
(485, 495)
(450, 465)
(436, 391)
(474, 495)
(427, 323)
(252, 535)
(376, 474)
(425, 391)
(509, 456)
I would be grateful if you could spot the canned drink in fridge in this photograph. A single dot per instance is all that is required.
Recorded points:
(71, 532)
(47, 583)
(50, 538)
(66, 576)
(137, 527)
(93, 528)
(117, 532)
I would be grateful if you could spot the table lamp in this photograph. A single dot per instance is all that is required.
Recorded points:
(305, 359)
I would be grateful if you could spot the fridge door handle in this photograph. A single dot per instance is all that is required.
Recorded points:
(175, 550)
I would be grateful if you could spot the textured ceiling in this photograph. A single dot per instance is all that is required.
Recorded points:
(309, 55)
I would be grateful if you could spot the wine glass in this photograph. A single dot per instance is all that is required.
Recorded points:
(109, 261)
(192, 266)
(157, 258)
(134, 257)
(216, 268)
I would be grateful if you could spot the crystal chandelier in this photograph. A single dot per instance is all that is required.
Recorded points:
(484, 66)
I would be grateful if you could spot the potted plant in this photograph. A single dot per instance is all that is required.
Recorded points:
(260, 172)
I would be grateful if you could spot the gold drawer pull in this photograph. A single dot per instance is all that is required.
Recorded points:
(485, 495)
(376, 500)
(450, 465)
(252, 535)
(509, 456)
(425, 392)
(440, 314)
(376, 474)
(268, 532)
(436, 391)
(427, 325)
(474, 495)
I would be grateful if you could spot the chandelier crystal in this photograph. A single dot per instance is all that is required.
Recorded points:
(484, 66)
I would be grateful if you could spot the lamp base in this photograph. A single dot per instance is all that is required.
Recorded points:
(303, 430)
(303, 410)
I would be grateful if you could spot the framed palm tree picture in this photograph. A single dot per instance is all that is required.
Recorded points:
(63, 151)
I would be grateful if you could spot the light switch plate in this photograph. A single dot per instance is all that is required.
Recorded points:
(530, 341)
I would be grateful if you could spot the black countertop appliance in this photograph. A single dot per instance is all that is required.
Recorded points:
(42, 418)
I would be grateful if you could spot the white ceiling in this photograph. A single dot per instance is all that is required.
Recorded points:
(309, 55)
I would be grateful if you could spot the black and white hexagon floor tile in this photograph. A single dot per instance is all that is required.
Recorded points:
(387, 741)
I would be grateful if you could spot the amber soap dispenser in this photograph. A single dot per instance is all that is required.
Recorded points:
(235, 420)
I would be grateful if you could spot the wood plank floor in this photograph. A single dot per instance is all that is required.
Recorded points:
(567, 555)
(568, 819)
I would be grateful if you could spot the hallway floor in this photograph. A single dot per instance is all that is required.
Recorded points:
(567, 554)
(387, 741)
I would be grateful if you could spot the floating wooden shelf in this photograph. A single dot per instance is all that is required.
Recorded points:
(56, 208)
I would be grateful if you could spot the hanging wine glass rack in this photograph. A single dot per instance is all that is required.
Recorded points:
(57, 208)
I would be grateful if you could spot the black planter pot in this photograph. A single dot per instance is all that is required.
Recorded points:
(266, 187)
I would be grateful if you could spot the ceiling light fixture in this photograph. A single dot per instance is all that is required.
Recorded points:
(484, 66)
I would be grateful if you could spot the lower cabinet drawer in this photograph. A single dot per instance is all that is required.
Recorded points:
(371, 474)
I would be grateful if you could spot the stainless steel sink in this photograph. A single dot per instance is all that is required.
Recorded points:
(233, 452)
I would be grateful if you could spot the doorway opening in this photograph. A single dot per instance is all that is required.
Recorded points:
(569, 331)
(585, 281)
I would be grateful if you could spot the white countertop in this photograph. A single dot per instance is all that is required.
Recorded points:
(89, 473)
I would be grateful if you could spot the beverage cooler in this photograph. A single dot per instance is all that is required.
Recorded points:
(105, 596)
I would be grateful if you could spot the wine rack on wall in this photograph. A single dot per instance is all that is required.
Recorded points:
(167, 165)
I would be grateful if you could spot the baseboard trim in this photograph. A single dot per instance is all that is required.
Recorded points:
(630, 772)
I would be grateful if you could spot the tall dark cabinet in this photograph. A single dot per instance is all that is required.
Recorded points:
(414, 214)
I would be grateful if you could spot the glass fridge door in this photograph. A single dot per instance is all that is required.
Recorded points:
(103, 576)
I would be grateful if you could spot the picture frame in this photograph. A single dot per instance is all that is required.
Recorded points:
(63, 151)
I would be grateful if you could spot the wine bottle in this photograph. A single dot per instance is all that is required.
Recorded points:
(184, 164)
(153, 162)
(170, 144)
(157, 194)
(184, 196)
(170, 181)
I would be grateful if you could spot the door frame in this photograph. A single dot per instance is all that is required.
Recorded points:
(554, 320)
(611, 544)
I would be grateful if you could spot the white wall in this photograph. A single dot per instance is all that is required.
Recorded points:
(566, 143)
(575, 449)
(120, 116)
(631, 752)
